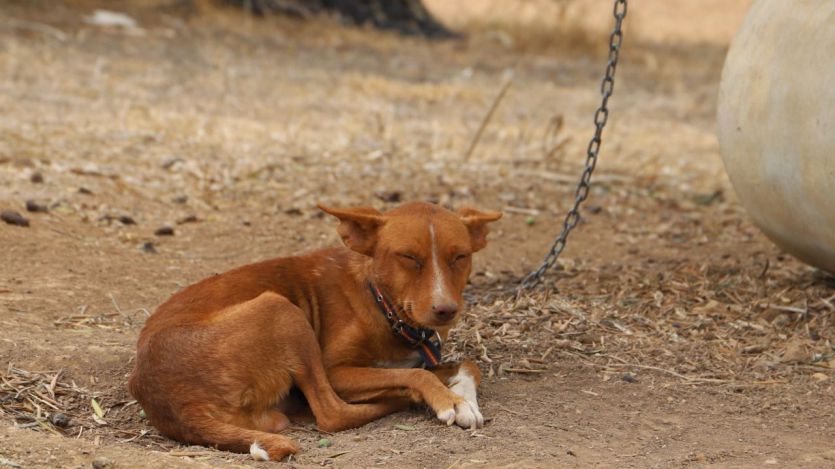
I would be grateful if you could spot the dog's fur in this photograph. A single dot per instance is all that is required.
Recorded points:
(216, 362)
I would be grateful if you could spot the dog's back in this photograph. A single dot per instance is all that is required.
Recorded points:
(214, 361)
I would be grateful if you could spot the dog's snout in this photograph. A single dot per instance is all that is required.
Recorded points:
(445, 311)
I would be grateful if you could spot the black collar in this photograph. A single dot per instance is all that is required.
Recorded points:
(426, 341)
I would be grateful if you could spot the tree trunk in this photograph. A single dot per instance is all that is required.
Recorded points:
(408, 17)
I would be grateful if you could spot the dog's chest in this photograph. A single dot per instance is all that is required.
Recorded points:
(410, 361)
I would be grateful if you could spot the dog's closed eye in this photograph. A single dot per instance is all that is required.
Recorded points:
(458, 258)
(411, 260)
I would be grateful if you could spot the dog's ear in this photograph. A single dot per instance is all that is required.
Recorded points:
(476, 222)
(357, 227)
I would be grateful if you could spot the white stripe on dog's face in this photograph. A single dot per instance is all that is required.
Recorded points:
(440, 295)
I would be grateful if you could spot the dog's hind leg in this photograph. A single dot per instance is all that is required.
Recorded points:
(288, 353)
(202, 427)
(271, 421)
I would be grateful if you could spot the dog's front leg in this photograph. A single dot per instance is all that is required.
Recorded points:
(450, 404)
(353, 382)
(463, 379)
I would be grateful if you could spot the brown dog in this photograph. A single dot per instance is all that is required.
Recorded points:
(348, 327)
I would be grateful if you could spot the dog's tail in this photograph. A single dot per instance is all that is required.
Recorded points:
(206, 430)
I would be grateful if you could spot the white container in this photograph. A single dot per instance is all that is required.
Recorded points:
(776, 124)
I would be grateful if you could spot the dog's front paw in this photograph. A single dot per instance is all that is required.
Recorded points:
(447, 416)
(467, 415)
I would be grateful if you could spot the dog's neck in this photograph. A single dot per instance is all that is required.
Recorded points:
(361, 269)
(426, 341)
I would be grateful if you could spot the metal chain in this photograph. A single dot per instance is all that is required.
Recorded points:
(601, 116)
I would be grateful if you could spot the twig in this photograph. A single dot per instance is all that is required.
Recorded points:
(52, 31)
(488, 116)
(308, 430)
(115, 305)
(672, 373)
(566, 178)
(790, 309)
(523, 370)
(51, 387)
(827, 302)
(522, 211)
(454, 464)
(48, 427)
(760, 383)
(191, 454)
(67, 234)
(140, 435)
(36, 395)
(509, 411)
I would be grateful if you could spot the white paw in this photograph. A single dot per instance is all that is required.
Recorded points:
(467, 413)
(447, 416)
(257, 452)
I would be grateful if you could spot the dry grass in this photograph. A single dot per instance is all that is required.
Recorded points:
(39, 400)
(702, 327)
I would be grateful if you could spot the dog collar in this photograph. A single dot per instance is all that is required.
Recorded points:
(426, 341)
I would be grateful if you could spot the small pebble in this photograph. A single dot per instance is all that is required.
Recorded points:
(85, 191)
(164, 231)
(629, 378)
(149, 248)
(59, 419)
(9, 463)
(13, 218)
(126, 220)
(33, 206)
(389, 196)
(188, 219)
(36, 178)
(171, 161)
(102, 463)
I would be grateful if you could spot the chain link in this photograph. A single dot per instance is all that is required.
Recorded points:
(601, 116)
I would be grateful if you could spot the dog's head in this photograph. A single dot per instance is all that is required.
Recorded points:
(422, 254)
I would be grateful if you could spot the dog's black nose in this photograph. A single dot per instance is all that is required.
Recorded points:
(445, 312)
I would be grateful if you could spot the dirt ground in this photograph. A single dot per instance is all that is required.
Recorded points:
(671, 334)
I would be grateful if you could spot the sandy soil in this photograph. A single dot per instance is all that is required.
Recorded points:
(688, 21)
(679, 335)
